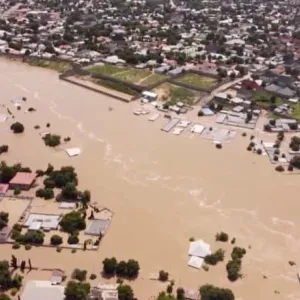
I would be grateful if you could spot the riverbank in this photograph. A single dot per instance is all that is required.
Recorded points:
(163, 190)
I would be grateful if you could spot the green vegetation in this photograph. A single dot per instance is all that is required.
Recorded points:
(117, 86)
(163, 275)
(93, 276)
(109, 266)
(296, 112)
(295, 162)
(295, 143)
(214, 258)
(165, 296)
(133, 75)
(72, 222)
(27, 247)
(17, 127)
(77, 291)
(106, 69)
(125, 292)
(4, 297)
(197, 80)
(51, 140)
(45, 193)
(152, 79)
(3, 219)
(56, 240)
(3, 149)
(30, 237)
(73, 239)
(266, 99)
(181, 94)
(129, 269)
(210, 292)
(78, 274)
(7, 280)
(16, 245)
(233, 268)
(8, 172)
(59, 66)
(222, 236)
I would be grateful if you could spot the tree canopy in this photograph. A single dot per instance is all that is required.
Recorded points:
(77, 291)
(125, 292)
(72, 222)
(17, 127)
(6, 279)
(210, 292)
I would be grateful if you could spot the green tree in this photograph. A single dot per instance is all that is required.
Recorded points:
(121, 269)
(46, 193)
(238, 253)
(72, 222)
(109, 266)
(222, 236)
(233, 268)
(164, 296)
(4, 297)
(56, 240)
(133, 268)
(17, 127)
(69, 191)
(180, 294)
(125, 292)
(3, 219)
(78, 274)
(77, 291)
(51, 140)
(214, 258)
(163, 276)
(210, 292)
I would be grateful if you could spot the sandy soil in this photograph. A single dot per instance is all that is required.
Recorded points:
(162, 188)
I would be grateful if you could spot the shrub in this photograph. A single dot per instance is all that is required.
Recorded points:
(259, 151)
(36, 127)
(93, 276)
(192, 239)
(58, 249)
(205, 267)
(67, 139)
(290, 168)
(275, 158)
(73, 251)
(295, 161)
(27, 247)
(31, 109)
(277, 152)
(4, 297)
(233, 241)
(210, 292)
(163, 276)
(14, 291)
(16, 245)
(17, 191)
(244, 134)
(170, 289)
(214, 258)
(78, 274)
(279, 168)
(17, 127)
(233, 268)
(3, 149)
(39, 173)
(73, 239)
(252, 144)
(200, 113)
(46, 193)
(249, 148)
(51, 140)
(56, 240)
(219, 146)
(18, 107)
(48, 125)
(238, 253)
(222, 237)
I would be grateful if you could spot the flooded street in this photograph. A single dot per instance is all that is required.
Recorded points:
(162, 188)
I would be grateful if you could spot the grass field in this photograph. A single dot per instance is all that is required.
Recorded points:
(197, 80)
(59, 66)
(296, 112)
(116, 86)
(133, 75)
(263, 98)
(107, 69)
(172, 94)
(152, 79)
